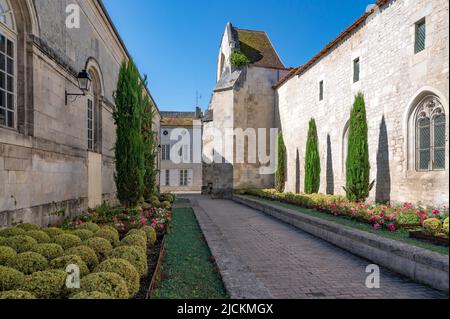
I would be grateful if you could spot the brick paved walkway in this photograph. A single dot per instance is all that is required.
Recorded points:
(262, 257)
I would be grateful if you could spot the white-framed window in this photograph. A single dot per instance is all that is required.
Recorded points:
(165, 152)
(183, 177)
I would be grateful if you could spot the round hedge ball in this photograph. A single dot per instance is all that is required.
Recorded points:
(67, 241)
(151, 235)
(83, 234)
(21, 243)
(86, 253)
(111, 228)
(90, 226)
(27, 226)
(28, 262)
(16, 295)
(10, 278)
(6, 253)
(84, 295)
(40, 236)
(62, 262)
(49, 251)
(109, 234)
(53, 231)
(11, 231)
(106, 282)
(101, 246)
(135, 255)
(124, 269)
(134, 240)
(139, 232)
(49, 284)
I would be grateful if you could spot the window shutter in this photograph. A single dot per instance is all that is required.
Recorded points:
(420, 36)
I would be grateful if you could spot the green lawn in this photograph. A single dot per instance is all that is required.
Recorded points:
(401, 235)
(189, 271)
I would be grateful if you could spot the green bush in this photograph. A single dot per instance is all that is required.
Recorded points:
(86, 253)
(11, 231)
(151, 235)
(101, 246)
(83, 234)
(312, 160)
(108, 234)
(432, 226)
(156, 203)
(445, 227)
(408, 218)
(28, 262)
(49, 251)
(27, 226)
(16, 295)
(10, 278)
(124, 269)
(67, 241)
(166, 205)
(53, 231)
(106, 282)
(135, 255)
(6, 253)
(89, 226)
(137, 231)
(135, 240)
(61, 263)
(167, 197)
(40, 236)
(21, 243)
(239, 59)
(84, 295)
(280, 175)
(49, 284)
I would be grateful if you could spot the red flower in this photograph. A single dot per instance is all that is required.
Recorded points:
(392, 227)
(436, 212)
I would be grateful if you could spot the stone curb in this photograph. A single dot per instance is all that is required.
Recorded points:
(420, 265)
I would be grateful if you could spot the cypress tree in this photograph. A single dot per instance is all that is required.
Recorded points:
(358, 166)
(280, 175)
(312, 160)
(149, 150)
(129, 148)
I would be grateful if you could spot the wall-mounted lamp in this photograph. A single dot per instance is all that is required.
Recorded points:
(84, 84)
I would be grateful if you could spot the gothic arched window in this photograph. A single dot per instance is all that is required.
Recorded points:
(430, 135)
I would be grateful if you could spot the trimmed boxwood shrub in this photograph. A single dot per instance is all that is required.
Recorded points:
(135, 240)
(21, 243)
(53, 231)
(40, 236)
(64, 261)
(16, 295)
(11, 231)
(109, 234)
(67, 241)
(167, 197)
(432, 226)
(85, 295)
(151, 235)
(166, 205)
(101, 246)
(137, 231)
(106, 282)
(28, 262)
(6, 253)
(83, 234)
(86, 253)
(49, 284)
(89, 226)
(135, 255)
(49, 251)
(27, 226)
(124, 269)
(10, 278)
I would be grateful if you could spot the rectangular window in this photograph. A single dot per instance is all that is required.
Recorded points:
(321, 91)
(165, 150)
(183, 177)
(420, 36)
(7, 83)
(356, 69)
(90, 126)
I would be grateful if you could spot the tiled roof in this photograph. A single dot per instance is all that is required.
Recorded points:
(341, 37)
(178, 114)
(258, 49)
(177, 121)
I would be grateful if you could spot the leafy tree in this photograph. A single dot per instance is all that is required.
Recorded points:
(358, 166)
(280, 176)
(312, 160)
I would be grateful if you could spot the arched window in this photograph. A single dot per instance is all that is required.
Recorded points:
(94, 114)
(430, 135)
(7, 66)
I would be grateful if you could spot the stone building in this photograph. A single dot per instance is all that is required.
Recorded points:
(56, 157)
(179, 132)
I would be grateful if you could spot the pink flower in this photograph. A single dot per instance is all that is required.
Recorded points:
(161, 227)
(392, 227)
(392, 217)
(407, 205)
(377, 226)
(143, 221)
(436, 212)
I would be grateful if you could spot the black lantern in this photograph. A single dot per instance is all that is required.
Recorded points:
(84, 84)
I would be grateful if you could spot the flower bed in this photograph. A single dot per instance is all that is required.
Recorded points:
(379, 216)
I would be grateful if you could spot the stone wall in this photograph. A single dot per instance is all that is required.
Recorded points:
(393, 79)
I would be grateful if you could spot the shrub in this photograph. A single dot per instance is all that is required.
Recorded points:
(28, 262)
(106, 282)
(89, 226)
(64, 261)
(167, 197)
(49, 284)
(150, 150)
(151, 235)
(445, 228)
(124, 269)
(312, 160)
(86, 253)
(27, 226)
(166, 205)
(111, 228)
(280, 174)
(101, 246)
(239, 59)
(135, 240)
(40, 236)
(17, 295)
(408, 218)
(21, 243)
(49, 251)
(156, 203)
(83, 234)
(53, 231)
(6, 253)
(67, 241)
(432, 226)
(11, 231)
(137, 231)
(135, 255)
(108, 234)
(10, 278)
(84, 295)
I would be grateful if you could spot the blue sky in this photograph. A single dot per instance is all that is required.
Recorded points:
(176, 42)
